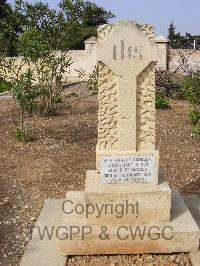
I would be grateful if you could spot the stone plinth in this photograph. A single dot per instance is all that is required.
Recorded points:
(179, 235)
(152, 204)
(46, 253)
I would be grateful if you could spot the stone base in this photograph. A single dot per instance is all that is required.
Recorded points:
(180, 235)
(141, 202)
(46, 252)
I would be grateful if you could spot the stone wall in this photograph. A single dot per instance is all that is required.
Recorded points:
(191, 56)
(81, 60)
(163, 52)
(168, 59)
(172, 59)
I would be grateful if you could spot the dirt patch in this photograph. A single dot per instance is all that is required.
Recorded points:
(179, 149)
(56, 162)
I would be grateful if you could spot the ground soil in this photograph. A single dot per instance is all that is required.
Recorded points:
(56, 162)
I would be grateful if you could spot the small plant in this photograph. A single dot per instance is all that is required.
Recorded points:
(194, 116)
(25, 93)
(18, 134)
(57, 99)
(196, 130)
(4, 86)
(25, 136)
(161, 101)
(191, 89)
(91, 80)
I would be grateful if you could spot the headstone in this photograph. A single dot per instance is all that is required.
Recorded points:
(126, 57)
(127, 189)
(127, 206)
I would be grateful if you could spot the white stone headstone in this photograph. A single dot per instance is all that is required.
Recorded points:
(127, 55)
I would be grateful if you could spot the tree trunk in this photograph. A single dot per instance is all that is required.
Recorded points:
(22, 120)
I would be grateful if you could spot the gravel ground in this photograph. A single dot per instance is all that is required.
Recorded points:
(56, 162)
(131, 260)
(179, 149)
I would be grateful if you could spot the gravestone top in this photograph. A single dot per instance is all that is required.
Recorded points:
(126, 47)
(126, 54)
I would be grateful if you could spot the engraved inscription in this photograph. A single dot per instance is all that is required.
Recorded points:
(124, 52)
(129, 52)
(127, 169)
(122, 49)
(115, 52)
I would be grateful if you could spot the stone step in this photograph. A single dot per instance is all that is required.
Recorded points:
(180, 235)
(46, 252)
(93, 184)
(151, 204)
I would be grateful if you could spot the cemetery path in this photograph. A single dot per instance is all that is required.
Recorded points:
(56, 162)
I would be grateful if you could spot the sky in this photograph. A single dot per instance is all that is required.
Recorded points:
(184, 13)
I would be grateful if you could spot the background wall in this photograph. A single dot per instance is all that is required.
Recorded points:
(82, 60)
(176, 56)
(85, 60)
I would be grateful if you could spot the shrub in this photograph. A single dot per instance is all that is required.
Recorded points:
(40, 87)
(169, 83)
(49, 67)
(26, 92)
(32, 44)
(91, 79)
(161, 101)
(25, 136)
(191, 89)
(5, 86)
(194, 116)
